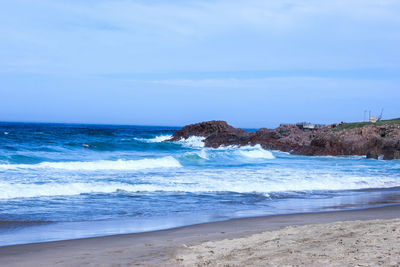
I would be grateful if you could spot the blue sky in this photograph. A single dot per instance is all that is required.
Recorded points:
(253, 63)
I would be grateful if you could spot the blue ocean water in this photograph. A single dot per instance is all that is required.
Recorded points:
(63, 181)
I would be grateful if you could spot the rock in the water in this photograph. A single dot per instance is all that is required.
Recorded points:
(216, 133)
(391, 148)
(284, 138)
(372, 154)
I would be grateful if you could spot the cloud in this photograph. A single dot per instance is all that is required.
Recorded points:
(199, 19)
(327, 87)
(114, 36)
(192, 17)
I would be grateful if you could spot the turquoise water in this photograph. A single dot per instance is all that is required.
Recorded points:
(60, 181)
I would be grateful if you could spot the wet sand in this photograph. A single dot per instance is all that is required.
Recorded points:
(186, 245)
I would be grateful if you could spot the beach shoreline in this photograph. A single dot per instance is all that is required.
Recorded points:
(159, 247)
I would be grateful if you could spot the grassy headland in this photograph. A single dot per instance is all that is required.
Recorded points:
(352, 125)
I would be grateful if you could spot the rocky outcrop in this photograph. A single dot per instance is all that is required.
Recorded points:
(391, 148)
(369, 140)
(372, 154)
(357, 141)
(286, 138)
(216, 133)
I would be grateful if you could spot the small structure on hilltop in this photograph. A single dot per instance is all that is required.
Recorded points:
(309, 126)
(304, 125)
(373, 119)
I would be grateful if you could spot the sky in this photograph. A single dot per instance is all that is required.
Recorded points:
(253, 63)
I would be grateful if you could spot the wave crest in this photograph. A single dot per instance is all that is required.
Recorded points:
(157, 139)
(192, 142)
(256, 152)
(265, 182)
(124, 165)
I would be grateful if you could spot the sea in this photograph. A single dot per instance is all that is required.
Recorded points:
(67, 181)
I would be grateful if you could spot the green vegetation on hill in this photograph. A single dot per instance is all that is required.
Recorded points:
(352, 125)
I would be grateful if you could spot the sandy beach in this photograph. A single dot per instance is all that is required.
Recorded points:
(355, 243)
(368, 237)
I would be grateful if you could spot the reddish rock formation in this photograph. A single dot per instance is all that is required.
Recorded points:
(369, 140)
(285, 138)
(217, 133)
(391, 148)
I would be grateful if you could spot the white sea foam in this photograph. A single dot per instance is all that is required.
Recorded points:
(157, 139)
(192, 142)
(253, 152)
(123, 165)
(6, 133)
(263, 181)
(56, 189)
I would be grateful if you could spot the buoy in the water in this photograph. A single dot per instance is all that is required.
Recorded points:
(85, 145)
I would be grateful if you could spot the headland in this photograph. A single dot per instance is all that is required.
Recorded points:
(380, 140)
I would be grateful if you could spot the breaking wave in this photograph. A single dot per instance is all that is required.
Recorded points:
(192, 142)
(124, 165)
(245, 182)
(228, 154)
(157, 139)
(255, 152)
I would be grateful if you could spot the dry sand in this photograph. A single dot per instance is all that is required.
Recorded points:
(355, 243)
(242, 242)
